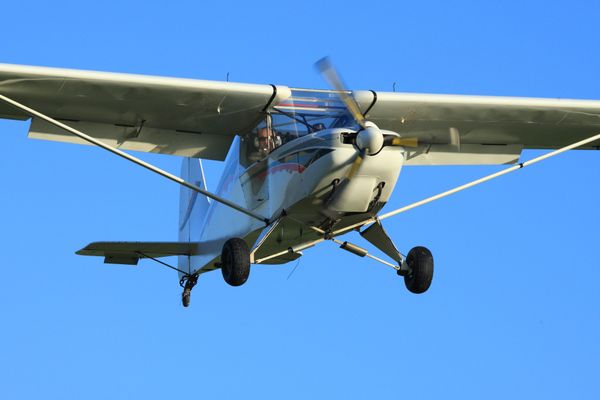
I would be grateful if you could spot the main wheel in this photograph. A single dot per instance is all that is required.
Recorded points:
(420, 262)
(235, 262)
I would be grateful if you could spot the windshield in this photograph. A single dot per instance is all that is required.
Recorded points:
(304, 112)
(308, 111)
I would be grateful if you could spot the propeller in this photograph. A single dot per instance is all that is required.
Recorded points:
(332, 77)
(401, 141)
(369, 139)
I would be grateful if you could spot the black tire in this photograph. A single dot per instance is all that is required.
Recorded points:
(235, 262)
(420, 262)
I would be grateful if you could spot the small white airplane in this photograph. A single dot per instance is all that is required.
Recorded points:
(301, 166)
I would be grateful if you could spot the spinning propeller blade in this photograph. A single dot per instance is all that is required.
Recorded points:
(369, 139)
(328, 71)
(404, 142)
(355, 165)
(330, 74)
(334, 79)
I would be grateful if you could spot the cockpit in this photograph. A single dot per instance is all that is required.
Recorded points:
(305, 112)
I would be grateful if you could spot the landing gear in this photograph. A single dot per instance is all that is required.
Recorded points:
(188, 282)
(235, 262)
(420, 270)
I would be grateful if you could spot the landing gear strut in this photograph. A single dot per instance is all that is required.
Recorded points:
(187, 282)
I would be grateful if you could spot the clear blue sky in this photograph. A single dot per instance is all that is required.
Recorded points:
(513, 311)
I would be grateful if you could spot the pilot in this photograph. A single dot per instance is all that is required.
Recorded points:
(264, 142)
(267, 141)
(318, 127)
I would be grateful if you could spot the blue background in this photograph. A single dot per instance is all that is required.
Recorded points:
(513, 310)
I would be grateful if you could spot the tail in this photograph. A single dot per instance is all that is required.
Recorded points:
(192, 207)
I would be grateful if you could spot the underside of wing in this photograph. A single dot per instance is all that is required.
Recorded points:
(130, 253)
(457, 129)
(197, 118)
(175, 116)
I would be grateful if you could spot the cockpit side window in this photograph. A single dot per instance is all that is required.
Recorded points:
(260, 142)
(305, 112)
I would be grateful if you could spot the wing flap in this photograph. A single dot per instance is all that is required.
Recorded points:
(469, 154)
(138, 138)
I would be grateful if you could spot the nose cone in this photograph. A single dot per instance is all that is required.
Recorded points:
(370, 139)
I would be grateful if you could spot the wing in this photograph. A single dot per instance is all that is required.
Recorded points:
(175, 116)
(491, 130)
(198, 118)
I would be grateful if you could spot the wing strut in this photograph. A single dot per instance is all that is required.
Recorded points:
(469, 185)
(133, 159)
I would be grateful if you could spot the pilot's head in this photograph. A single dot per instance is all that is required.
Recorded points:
(264, 133)
(265, 140)
(318, 127)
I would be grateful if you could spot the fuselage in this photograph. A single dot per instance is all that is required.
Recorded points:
(305, 178)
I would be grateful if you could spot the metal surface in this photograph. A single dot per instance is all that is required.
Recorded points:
(181, 115)
(378, 237)
(264, 235)
(491, 120)
(354, 249)
(133, 249)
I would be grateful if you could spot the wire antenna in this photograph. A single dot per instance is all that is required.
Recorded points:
(293, 270)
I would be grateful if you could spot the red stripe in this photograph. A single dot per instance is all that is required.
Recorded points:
(290, 167)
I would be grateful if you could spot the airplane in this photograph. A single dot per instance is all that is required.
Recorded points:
(302, 166)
